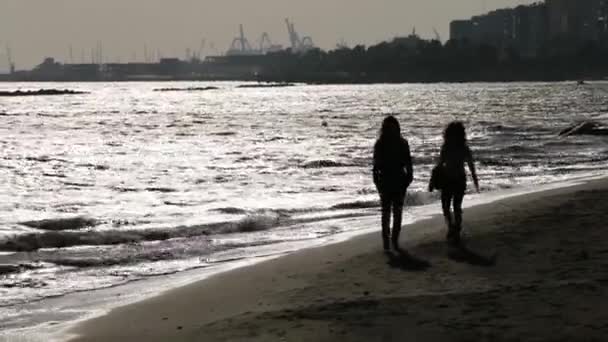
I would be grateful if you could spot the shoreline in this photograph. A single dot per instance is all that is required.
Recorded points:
(75, 308)
(227, 306)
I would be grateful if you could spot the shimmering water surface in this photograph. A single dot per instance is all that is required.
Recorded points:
(136, 183)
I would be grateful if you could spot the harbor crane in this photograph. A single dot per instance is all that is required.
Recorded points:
(240, 45)
(267, 46)
(9, 58)
(199, 54)
(298, 44)
(265, 42)
(437, 36)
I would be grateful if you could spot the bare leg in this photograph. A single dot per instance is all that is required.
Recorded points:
(446, 199)
(397, 217)
(458, 198)
(386, 221)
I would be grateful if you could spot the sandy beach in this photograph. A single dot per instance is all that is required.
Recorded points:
(535, 269)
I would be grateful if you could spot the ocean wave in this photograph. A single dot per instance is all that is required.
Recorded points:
(8, 269)
(412, 198)
(17, 268)
(518, 149)
(78, 185)
(323, 163)
(330, 188)
(64, 239)
(73, 223)
(124, 189)
(94, 166)
(417, 198)
(492, 161)
(180, 203)
(204, 251)
(367, 191)
(356, 205)
(224, 134)
(160, 189)
(45, 159)
(274, 139)
(231, 211)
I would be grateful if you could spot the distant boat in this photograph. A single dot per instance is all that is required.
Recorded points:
(581, 82)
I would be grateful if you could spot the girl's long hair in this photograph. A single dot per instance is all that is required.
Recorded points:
(391, 130)
(454, 135)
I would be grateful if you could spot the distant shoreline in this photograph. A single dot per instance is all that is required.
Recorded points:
(322, 82)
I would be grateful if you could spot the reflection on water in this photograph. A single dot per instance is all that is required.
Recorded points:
(125, 182)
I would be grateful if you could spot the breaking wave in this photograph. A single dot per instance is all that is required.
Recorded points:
(412, 198)
(64, 239)
(317, 164)
(59, 224)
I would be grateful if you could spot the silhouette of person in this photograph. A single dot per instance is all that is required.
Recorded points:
(455, 152)
(393, 173)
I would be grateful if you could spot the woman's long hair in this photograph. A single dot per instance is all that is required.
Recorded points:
(391, 130)
(454, 135)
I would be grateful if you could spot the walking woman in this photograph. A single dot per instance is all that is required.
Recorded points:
(455, 152)
(393, 173)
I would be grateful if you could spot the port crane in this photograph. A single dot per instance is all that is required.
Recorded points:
(201, 48)
(9, 58)
(240, 45)
(267, 46)
(437, 36)
(265, 42)
(298, 44)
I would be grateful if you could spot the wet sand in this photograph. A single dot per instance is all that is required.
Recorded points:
(535, 269)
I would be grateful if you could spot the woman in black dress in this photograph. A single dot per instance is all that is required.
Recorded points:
(393, 173)
(455, 152)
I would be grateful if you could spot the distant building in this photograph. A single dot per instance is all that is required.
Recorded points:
(49, 69)
(564, 25)
(82, 72)
(495, 28)
(530, 31)
(603, 22)
(577, 22)
(461, 30)
(410, 42)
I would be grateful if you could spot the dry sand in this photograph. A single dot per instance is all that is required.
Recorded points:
(536, 270)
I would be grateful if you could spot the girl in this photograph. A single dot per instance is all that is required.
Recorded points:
(393, 173)
(454, 153)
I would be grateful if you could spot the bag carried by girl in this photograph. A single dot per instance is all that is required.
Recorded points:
(438, 178)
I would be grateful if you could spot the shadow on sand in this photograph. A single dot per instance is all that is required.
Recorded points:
(404, 261)
(465, 255)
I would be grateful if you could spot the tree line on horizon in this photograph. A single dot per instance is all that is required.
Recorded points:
(432, 61)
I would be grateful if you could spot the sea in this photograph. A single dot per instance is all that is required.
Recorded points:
(127, 183)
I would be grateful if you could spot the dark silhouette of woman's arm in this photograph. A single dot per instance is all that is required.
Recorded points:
(471, 163)
(409, 167)
(376, 167)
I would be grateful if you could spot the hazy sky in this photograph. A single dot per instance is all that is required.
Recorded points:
(38, 28)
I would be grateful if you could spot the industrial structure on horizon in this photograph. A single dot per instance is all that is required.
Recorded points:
(545, 28)
(532, 29)
(242, 60)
